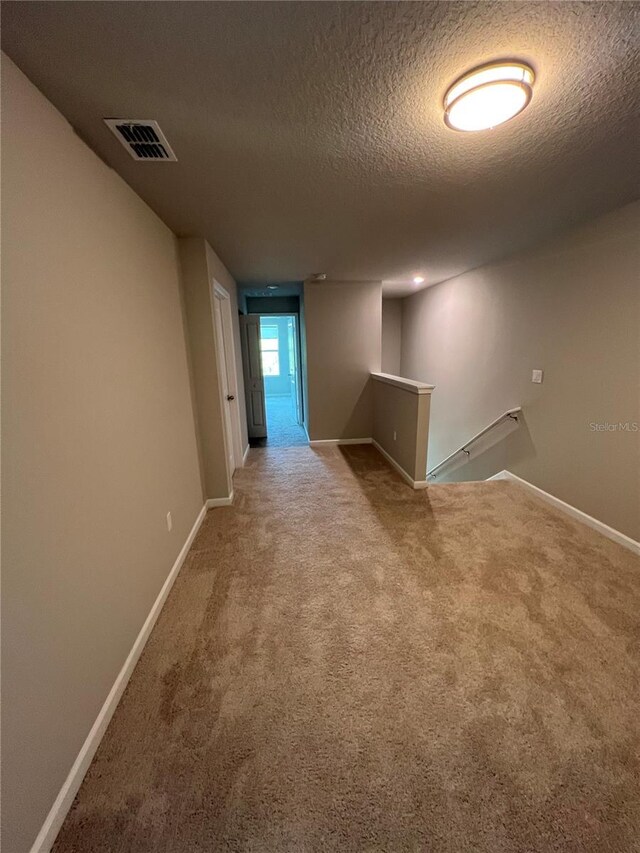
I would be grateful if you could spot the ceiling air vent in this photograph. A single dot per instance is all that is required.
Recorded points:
(142, 138)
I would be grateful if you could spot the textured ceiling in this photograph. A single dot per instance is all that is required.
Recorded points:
(310, 135)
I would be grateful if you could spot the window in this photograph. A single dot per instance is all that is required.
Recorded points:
(269, 350)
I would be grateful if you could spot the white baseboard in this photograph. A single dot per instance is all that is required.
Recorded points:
(327, 441)
(214, 502)
(245, 454)
(578, 514)
(415, 484)
(63, 801)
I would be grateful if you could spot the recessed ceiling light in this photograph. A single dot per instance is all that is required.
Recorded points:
(272, 287)
(418, 279)
(488, 96)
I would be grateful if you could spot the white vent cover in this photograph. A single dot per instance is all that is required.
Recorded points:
(142, 138)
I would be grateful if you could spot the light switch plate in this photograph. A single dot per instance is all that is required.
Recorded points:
(536, 376)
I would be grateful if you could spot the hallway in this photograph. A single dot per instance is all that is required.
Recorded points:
(383, 246)
(282, 429)
(367, 667)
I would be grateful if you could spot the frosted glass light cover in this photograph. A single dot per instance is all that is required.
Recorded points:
(488, 96)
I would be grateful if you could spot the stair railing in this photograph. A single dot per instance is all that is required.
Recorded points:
(464, 448)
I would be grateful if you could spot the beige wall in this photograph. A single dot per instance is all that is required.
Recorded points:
(343, 339)
(391, 335)
(200, 266)
(98, 441)
(572, 308)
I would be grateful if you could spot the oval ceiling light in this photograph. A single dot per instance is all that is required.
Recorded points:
(488, 96)
(418, 279)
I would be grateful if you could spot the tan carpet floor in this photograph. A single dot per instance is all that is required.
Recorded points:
(347, 665)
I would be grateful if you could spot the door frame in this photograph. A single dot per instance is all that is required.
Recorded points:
(225, 346)
(297, 345)
(298, 342)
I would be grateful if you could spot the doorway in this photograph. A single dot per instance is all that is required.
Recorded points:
(280, 355)
(272, 361)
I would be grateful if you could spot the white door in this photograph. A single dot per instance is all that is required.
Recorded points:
(294, 368)
(223, 375)
(232, 376)
(253, 377)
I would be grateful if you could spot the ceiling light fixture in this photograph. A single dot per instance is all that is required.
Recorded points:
(272, 287)
(488, 96)
(418, 279)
